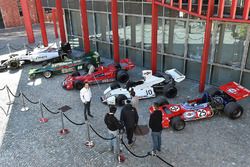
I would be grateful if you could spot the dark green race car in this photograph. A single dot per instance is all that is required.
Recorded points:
(67, 66)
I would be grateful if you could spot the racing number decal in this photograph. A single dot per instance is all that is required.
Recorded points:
(202, 113)
(149, 92)
(174, 108)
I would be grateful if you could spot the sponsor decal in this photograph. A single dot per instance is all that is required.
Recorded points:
(174, 108)
(231, 90)
(189, 115)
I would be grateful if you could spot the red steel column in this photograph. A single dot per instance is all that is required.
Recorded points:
(206, 47)
(115, 30)
(221, 8)
(41, 20)
(59, 11)
(233, 9)
(54, 22)
(199, 7)
(27, 21)
(246, 9)
(154, 36)
(85, 28)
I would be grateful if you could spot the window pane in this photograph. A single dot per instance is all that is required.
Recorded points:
(246, 80)
(222, 75)
(133, 31)
(73, 4)
(75, 42)
(76, 23)
(248, 59)
(195, 39)
(230, 48)
(102, 28)
(103, 49)
(67, 20)
(120, 29)
(171, 62)
(133, 8)
(91, 25)
(193, 70)
(135, 56)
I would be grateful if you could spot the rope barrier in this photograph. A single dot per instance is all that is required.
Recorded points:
(104, 138)
(5, 113)
(36, 102)
(164, 161)
(49, 109)
(3, 88)
(72, 121)
(29, 47)
(138, 156)
(13, 93)
(15, 48)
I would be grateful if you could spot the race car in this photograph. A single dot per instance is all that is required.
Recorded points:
(102, 74)
(214, 100)
(146, 88)
(67, 66)
(39, 54)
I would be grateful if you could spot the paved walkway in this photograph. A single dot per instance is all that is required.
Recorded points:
(24, 142)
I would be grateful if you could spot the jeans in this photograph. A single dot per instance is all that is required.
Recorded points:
(156, 137)
(86, 109)
(113, 142)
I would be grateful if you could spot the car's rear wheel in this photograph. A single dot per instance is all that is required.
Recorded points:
(169, 91)
(122, 76)
(14, 64)
(177, 123)
(78, 85)
(162, 101)
(114, 85)
(213, 91)
(47, 74)
(233, 110)
(120, 99)
(62, 56)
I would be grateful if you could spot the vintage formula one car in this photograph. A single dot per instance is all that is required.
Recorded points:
(39, 54)
(102, 74)
(146, 88)
(67, 66)
(213, 101)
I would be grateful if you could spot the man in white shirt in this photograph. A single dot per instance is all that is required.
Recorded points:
(86, 95)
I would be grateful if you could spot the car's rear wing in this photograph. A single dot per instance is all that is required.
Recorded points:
(177, 76)
(235, 90)
(127, 64)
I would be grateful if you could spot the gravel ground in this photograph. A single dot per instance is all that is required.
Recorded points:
(24, 141)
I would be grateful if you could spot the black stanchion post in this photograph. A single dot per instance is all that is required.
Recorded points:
(24, 108)
(89, 143)
(42, 119)
(63, 131)
(10, 102)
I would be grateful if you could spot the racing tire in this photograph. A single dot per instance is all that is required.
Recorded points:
(62, 56)
(162, 101)
(47, 74)
(114, 85)
(3, 68)
(117, 66)
(14, 64)
(177, 123)
(233, 110)
(213, 91)
(78, 85)
(75, 74)
(120, 99)
(122, 76)
(169, 91)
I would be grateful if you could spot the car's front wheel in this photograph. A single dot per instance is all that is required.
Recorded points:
(14, 64)
(233, 110)
(47, 74)
(122, 76)
(78, 85)
(177, 123)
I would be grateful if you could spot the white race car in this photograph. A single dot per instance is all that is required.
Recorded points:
(148, 87)
(39, 54)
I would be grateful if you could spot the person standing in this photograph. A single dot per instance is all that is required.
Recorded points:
(113, 126)
(129, 117)
(86, 95)
(156, 128)
(134, 100)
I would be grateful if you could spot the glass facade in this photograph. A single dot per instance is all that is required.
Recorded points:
(180, 39)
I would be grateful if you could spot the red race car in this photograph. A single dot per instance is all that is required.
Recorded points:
(213, 101)
(102, 74)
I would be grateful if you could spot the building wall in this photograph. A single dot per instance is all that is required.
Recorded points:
(180, 39)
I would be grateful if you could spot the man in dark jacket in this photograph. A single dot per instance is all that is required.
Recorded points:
(156, 127)
(114, 126)
(129, 118)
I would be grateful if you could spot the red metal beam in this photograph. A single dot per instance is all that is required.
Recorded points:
(85, 28)
(54, 22)
(246, 9)
(115, 30)
(230, 20)
(221, 8)
(59, 11)
(154, 36)
(27, 21)
(199, 7)
(233, 9)
(41, 20)
(204, 61)
(189, 5)
(180, 4)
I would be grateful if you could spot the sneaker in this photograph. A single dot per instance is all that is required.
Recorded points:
(91, 115)
(131, 144)
(153, 153)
